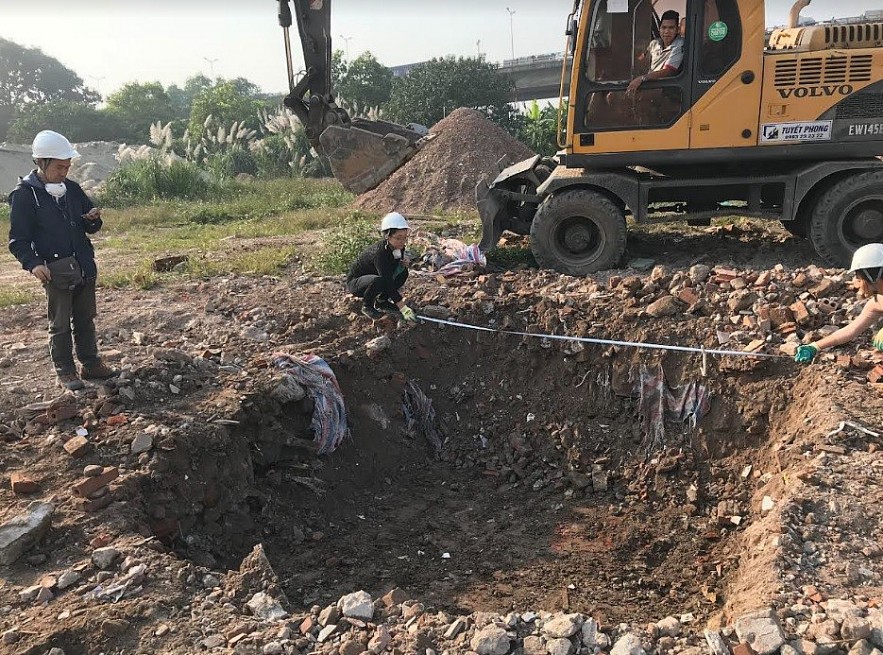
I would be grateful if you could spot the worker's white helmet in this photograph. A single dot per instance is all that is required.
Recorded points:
(394, 221)
(52, 145)
(869, 260)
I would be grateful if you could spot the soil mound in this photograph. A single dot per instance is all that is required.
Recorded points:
(444, 173)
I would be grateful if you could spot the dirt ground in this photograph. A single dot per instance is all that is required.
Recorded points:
(545, 496)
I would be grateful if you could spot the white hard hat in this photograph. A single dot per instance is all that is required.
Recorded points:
(867, 257)
(52, 145)
(394, 221)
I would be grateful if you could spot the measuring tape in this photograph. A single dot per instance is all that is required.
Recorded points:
(603, 342)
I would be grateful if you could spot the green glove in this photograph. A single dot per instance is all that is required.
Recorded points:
(408, 314)
(805, 354)
(878, 340)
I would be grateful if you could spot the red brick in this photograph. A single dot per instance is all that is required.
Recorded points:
(743, 649)
(22, 483)
(823, 288)
(787, 328)
(88, 486)
(307, 625)
(77, 447)
(844, 361)
(780, 316)
(119, 419)
(876, 375)
(688, 296)
(799, 280)
(801, 313)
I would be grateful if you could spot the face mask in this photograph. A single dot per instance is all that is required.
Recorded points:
(397, 254)
(56, 190)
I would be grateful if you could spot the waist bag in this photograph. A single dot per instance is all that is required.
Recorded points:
(66, 273)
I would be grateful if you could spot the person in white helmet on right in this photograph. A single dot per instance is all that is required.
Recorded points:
(867, 264)
(380, 272)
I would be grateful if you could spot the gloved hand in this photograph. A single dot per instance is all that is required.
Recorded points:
(878, 340)
(408, 314)
(805, 354)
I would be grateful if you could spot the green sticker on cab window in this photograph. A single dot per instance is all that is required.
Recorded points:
(717, 31)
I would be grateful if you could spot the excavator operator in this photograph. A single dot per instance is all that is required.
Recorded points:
(666, 53)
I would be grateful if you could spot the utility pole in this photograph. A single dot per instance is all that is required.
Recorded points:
(347, 39)
(211, 63)
(512, 29)
(97, 82)
(478, 46)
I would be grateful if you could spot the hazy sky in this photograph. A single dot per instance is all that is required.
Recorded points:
(110, 42)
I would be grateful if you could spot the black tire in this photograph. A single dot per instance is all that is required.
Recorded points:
(847, 216)
(578, 232)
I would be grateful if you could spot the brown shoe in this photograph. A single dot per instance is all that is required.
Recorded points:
(98, 371)
(70, 381)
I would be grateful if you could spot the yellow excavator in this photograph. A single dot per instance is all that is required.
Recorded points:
(786, 126)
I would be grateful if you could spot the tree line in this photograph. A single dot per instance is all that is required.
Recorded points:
(37, 91)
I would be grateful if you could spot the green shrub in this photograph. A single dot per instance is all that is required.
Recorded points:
(232, 162)
(346, 242)
(4, 211)
(151, 179)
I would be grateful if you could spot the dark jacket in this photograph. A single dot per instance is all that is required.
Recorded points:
(378, 260)
(43, 229)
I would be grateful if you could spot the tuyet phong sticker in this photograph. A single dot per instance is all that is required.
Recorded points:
(807, 131)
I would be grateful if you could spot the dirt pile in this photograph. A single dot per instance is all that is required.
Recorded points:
(444, 173)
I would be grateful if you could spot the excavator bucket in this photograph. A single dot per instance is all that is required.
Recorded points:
(363, 153)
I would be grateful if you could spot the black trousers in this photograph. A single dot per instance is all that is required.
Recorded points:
(369, 287)
(72, 321)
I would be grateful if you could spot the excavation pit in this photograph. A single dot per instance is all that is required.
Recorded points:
(548, 494)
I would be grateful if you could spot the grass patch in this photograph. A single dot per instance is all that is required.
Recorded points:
(345, 244)
(512, 257)
(146, 180)
(14, 296)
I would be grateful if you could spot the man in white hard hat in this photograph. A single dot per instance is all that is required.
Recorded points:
(50, 220)
(380, 272)
(867, 264)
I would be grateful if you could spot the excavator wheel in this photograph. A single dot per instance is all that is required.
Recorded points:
(578, 232)
(847, 216)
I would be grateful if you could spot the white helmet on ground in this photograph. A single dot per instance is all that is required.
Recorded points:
(394, 221)
(869, 261)
(52, 145)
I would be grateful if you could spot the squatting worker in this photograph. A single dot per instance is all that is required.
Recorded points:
(867, 264)
(51, 217)
(382, 270)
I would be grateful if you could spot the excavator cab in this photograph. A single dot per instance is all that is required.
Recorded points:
(362, 152)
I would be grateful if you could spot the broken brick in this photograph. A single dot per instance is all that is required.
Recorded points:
(755, 346)
(823, 288)
(688, 296)
(77, 447)
(799, 281)
(743, 649)
(119, 419)
(801, 313)
(780, 316)
(95, 504)
(787, 328)
(876, 375)
(22, 483)
(844, 362)
(88, 486)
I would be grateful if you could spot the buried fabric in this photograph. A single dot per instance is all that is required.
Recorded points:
(658, 403)
(420, 416)
(329, 414)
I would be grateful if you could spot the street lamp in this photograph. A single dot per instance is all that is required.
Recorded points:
(211, 63)
(97, 82)
(512, 29)
(478, 46)
(347, 39)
